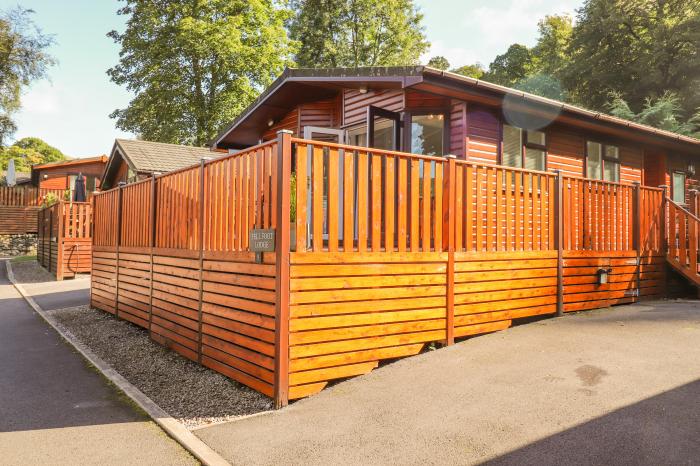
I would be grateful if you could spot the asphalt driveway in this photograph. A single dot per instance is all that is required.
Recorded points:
(55, 409)
(615, 386)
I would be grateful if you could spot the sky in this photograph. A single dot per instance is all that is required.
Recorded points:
(71, 109)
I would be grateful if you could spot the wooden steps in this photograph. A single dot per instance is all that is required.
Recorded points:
(682, 236)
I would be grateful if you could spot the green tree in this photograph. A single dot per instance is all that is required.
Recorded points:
(542, 84)
(355, 33)
(511, 67)
(439, 62)
(552, 50)
(637, 48)
(27, 152)
(23, 59)
(475, 71)
(664, 112)
(194, 65)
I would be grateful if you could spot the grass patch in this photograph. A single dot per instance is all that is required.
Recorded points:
(18, 259)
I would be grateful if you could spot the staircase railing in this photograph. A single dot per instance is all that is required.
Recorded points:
(682, 234)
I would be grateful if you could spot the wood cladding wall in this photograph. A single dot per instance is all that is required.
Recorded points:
(355, 103)
(475, 132)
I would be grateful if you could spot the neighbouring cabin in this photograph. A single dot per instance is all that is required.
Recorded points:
(61, 176)
(378, 251)
(20, 204)
(64, 242)
(134, 160)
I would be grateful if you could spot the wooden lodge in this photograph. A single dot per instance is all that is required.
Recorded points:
(20, 204)
(409, 206)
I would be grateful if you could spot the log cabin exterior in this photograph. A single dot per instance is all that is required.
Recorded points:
(135, 160)
(61, 176)
(20, 204)
(481, 122)
(378, 252)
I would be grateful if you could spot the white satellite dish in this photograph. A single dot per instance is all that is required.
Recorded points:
(11, 177)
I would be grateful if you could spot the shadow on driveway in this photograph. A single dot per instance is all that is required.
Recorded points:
(663, 429)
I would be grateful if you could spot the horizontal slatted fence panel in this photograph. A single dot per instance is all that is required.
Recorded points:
(175, 302)
(103, 279)
(77, 256)
(238, 317)
(18, 220)
(582, 290)
(347, 315)
(493, 288)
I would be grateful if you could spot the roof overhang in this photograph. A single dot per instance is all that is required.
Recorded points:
(298, 86)
(117, 155)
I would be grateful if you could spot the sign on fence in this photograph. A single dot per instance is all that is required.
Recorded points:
(261, 240)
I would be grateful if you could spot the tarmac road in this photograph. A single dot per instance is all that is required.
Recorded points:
(616, 386)
(55, 409)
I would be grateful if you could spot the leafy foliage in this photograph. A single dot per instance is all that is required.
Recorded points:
(195, 65)
(27, 152)
(355, 33)
(23, 59)
(439, 62)
(664, 112)
(638, 59)
(475, 71)
(638, 48)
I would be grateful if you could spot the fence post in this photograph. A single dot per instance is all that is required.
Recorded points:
(151, 244)
(637, 231)
(50, 209)
(119, 242)
(59, 240)
(282, 248)
(200, 239)
(559, 239)
(450, 288)
(664, 220)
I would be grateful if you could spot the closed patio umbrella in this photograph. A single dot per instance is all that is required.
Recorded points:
(11, 176)
(79, 189)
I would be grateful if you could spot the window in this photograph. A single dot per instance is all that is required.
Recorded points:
(524, 148)
(428, 134)
(90, 182)
(678, 188)
(602, 161)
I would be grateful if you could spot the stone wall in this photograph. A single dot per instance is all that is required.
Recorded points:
(18, 245)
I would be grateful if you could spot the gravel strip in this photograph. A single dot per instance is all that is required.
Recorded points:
(31, 272)
(189, 392)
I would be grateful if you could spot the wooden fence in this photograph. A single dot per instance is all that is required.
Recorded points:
(19, 206)
(64, 242)
(377, 253)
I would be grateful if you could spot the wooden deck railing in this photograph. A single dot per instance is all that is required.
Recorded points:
(377, 253)
(682, 233)
(26, 195)
(64, 240)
